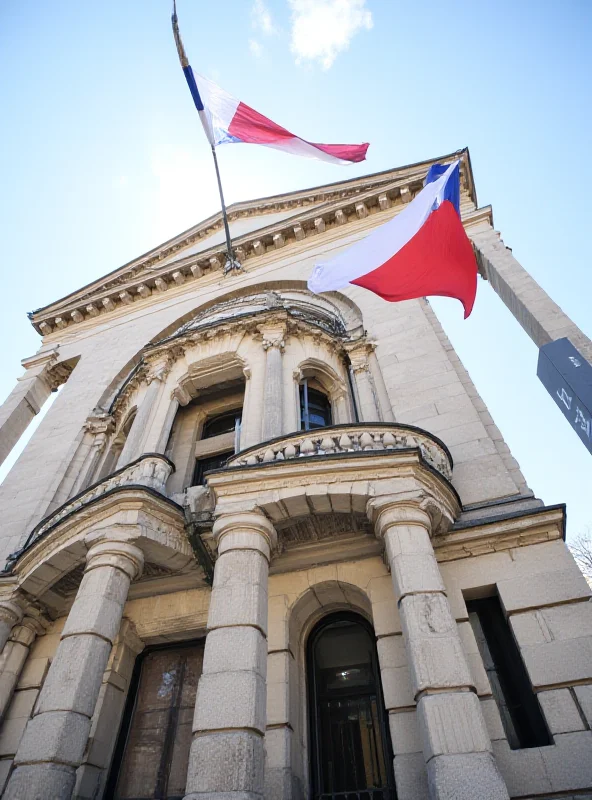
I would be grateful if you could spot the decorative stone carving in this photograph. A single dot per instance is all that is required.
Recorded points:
(384, 202)
(350, 439)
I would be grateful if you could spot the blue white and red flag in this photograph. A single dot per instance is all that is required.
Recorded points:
(226, 119)
(422, 251)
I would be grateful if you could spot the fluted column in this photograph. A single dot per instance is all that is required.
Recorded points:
(368, 405)
(455, 741)
(227, 755)
(273, 396)
(14, 656)
(55, 738)
(11, 613)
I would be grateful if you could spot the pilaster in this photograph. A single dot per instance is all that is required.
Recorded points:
(359, 356)
(273, 394)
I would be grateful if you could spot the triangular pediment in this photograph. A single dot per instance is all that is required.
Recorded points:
(257, 228)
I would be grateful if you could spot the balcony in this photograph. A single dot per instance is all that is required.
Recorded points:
(150, 471)
(343, 440)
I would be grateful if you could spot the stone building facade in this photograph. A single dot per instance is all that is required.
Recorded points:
(267, 544)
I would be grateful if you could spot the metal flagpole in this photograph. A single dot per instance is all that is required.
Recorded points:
(232, 261)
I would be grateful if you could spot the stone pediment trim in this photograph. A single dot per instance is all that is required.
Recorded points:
(503, 532)
(334, 206)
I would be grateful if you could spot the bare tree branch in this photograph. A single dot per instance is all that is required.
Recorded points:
(581, 550)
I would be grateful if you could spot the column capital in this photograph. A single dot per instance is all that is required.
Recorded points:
(389, 510)
(113, 549)
(247, 530)
(11, 610)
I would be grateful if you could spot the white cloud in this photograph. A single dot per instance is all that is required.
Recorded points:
(261, 18)
(255, 48)
(321, 29)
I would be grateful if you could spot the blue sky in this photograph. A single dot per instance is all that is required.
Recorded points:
(103, 156)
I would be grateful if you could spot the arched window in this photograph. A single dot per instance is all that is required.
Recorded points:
(315, 407)
(223, 433)
(350, 746)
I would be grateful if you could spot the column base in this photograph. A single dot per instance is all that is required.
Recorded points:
(41, 782)
(226, 766)
(471, 776)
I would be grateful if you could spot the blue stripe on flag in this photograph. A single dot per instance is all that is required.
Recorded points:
(188, 72)
(452, 188)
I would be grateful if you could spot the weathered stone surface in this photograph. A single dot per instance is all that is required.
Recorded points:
(560, 711)
(236, 649)
(242, 754)
(230, 700)
(77, 671)
(58, 736)
(405, 736)
(411, 777)
(465, 777)
(450, 724)
(584, 697)
(33, 782)
(436, 658)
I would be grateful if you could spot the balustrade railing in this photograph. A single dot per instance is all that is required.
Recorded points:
(151, 470)
(343, 439)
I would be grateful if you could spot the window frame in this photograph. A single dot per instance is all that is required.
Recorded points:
(304, 406)
(511, 687)
(129, 707)
(314, 756)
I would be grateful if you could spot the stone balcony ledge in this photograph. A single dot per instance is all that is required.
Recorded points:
(346, 439)
(150, 471)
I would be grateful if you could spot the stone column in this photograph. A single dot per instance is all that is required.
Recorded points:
(42, 375)
(273, 396)
(252, 421)
(11, 613)
(456, 745)
(55, 738)
(165, 432)
(359, 358)
(133, 447)
(15, 655)
(227, 753)
(98, 427)
(542, 319)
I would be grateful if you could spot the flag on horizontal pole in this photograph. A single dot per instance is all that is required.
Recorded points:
(226, 120)
(422, 251)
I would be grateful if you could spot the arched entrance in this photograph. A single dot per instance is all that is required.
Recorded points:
(350, 747)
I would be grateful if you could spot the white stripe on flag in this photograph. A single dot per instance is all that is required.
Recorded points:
(374, 250)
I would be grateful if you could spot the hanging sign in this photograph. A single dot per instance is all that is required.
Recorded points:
(567, 376)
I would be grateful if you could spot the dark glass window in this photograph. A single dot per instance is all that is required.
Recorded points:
(202, 465)
(518, 705)
(351, 758)
(315, 408)
(152, 751)
(224, 423)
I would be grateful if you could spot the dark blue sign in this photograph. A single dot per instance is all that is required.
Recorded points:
(567, 376)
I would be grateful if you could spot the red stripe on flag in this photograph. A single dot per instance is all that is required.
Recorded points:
(252, 127)
(438, 260)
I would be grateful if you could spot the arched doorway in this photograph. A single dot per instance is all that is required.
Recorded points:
(351, 756)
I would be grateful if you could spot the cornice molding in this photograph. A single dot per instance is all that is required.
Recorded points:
(492, 536)
(318, 211)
